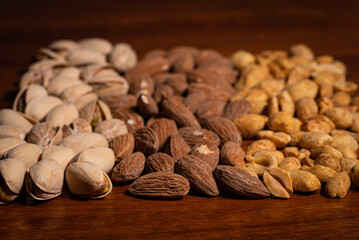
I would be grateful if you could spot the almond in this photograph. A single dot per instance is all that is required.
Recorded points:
(122, 145)
(133, 120)
(236, 109)
(147, 105)
(146, 141)
(225, 129)
(159, 162)
(232, 154)
(164, 128)
(184, 63)
(211, 92)
(130, 168)
(194, 100)
(208, 153)
(195, 136)
(142, 85)
(177, 81)
(210, 109)
(177, 146)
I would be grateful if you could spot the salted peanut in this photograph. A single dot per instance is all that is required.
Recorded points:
(344, 139)
(261, 160)
(324, 78)
(286, 102)
(291, 152)
(282, 122)
(341, 98)
(249, 125)
(321, 172)
(260, 145)
(251, 75)
(347, 87)
(315, 125)
(278, 182)
(295, 138)
(341, 117)
(248, 170)
(347, 163)
(312, 140)
(304, 181)
(325, 104)
(325, 89)
(273, 106)
(258, 99)
(304, 88)
(327, 160)
(354, 175)
(317, 151)
(290, 163)
(271, 86)
(324, 59)
(307, 162)
(301, 50)
(355, 125)
(306, 108)
(242, 59)
(346, 150)
(338, 185)
(280, 139)
(355, 101)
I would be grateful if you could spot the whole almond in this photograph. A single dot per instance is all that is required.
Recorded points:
(160, 185)
(132, 119)
(177, 81)
(239, 182)
(184, 63)
(146, 141)
(209, 153)
(199, 174)
(147, 106)
(225, 129)
(177, 146)
(164, 128)
(194, 100)
(210, 109)
(232, 154)
(122, 145)
(120, 101)
(159, 162)
(163, 91)
(142, 85)
(195, 136)
(236, 109)
(211, 92)
(177, 111)
(129, 168)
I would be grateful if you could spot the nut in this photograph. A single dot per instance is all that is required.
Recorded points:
(232, 154)
(290, 163)
(304, 181)
(82, 141)
(208, 153)
(129, 168)
(225, 129)
(111, 128)
(341, 117)
(306, 108)
(278, 182)
(280, 139)
(62, 155)
(159, 162)
(44, 135)
(312, 140)
(338, 185)
(249, 125)
(322, 173)
(102, 157)
(29, 153)
(259, 145)
(283, 122)
(122, 145)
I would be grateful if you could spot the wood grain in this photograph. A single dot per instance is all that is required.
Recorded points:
(329, 27)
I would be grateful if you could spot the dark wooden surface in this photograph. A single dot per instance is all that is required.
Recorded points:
(327, 26)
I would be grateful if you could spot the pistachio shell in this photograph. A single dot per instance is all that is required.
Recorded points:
(46, 65)
(44, 135)
(85, 99)
(11, 131)
(123, 57)
(38, 108)
(95, 112)
(27, 94)
(77, 126)
(105, 84)
(62, 155)
(62, 115)
(85, 56)
(64, 45)
(8, 143)
(13, 118)
(96, 44)
(29, 153)
(102, 157)
(88, 72)
(45, 180)
(71, 94)
(47, 53)
(58, 84)
(87, 180)
(111, 128)
(82, 141)
(36, 77)
(13, 171)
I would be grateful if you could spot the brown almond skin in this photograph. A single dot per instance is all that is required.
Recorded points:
(225, 129)
(210, 109)
(159, 162)
(130, 168)
(177, 81)
(160, 185)
(146, 141)
(239, 182)
(175, 110)
(120, 101)
(123, 145)
(176, 146)
(132, 119)
(195, 136)
(184, 63)
(194, 100)
(142, 84)
(199, 174)
(147, 106)
(211, 92)
(232, 154)
(164, 128)
(209, 153)
(236, 109)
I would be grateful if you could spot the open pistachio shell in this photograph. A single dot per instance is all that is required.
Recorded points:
(84, 57)
(45, 180)
(47, 53)
(62, 155)
(62, 115)
(68, 72)
(29, 153)
(35, 77)
(71, 94)
(11, 131)
(8, 143)
(47, 65)
(64, 45)
(102, 157)
(81, 141)
(59, 84)
(111, 128)
(78, 125)
(85, 179)
(96, 44)
(39, 107)
(12, 173)
(44, 135)
(95, 112)
(13, 118)
(27, 94)
(105, 84)
(82, 101)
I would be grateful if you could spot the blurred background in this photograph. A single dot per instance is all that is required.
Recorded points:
(328, 27)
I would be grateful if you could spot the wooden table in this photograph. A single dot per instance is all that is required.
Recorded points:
(327, 26)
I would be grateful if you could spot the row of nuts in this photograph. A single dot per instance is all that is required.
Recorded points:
(90, 115)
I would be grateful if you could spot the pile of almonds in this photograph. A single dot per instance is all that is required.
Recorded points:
(89, 115)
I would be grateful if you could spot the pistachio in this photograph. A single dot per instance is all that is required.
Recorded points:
(102, 157)
(85, 56)
(12, 174)
(13, 118)
(11, 131)
(39, 107)
(45, 180)
(111, 128)
(68, 72)
(123, 57)
(78, 125)
(73, 93)
(86, 180)
(62, 155)
(58, 84)
(82, 141)
(8, 143)
(29, 153)
(96, 44)
(27, 94)
(44, 135)
(83, 100)
(95, 112)
(61, 115)
(64, 45)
